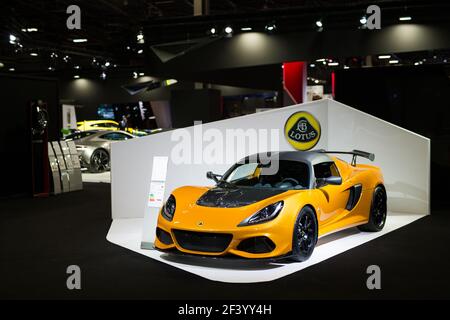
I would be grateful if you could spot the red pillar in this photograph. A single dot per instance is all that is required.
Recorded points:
(294, 82)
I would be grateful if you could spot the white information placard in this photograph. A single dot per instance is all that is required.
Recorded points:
(156, 195)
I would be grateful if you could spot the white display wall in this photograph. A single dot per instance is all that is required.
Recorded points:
(403, 156)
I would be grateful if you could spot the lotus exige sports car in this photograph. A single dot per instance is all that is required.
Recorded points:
(252, 214)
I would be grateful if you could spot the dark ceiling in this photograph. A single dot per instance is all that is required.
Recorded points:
(112, 26)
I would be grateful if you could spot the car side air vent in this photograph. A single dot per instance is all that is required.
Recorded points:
(353, 198)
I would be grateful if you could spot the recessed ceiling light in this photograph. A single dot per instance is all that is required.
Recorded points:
(393, 61)
(12, 38)
(316, 81)
(32, 29)
(34, 54)
(385, 56)
(228, 30)
(107, 63)
(140, 51)
(406, 18)
(363, 20)
(346, 67)
(246, 29)
(319, 23)
(312, 65)
(77, 67)
(12, 69)
(141, 74)
(76, 76)
(80, 40)
(2, 64)
(135, 75)
(333, 64)
(103, 75)
(213, 30)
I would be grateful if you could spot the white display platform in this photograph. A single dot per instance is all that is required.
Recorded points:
(104, 177)
(128, 234)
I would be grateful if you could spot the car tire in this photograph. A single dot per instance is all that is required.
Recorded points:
(305, 235)
(99, 161)
(378, 211)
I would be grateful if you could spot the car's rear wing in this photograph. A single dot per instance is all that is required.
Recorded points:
(355, 153)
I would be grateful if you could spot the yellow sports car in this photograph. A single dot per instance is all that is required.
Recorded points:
(103, 125)
(254, 212)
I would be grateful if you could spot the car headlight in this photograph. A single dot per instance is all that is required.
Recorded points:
(168, 209)
(266, 214)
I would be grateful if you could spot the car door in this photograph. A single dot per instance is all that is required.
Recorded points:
(332, 198)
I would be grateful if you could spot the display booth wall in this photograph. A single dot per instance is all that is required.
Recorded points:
(402, 155)
(137, 164)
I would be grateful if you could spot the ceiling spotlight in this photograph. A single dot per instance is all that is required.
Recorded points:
(107, 64)
(141, 74)
(316, 81)
(228, 30)
(393, 61)
(12, 39)
(363, 20)
(140, 51)
(270, 27)
(246, 29)
(135, 75)
(33, 54)
(12, 69)
(385, 56)
(51, 69)
(53, 55)
(333, 64)
(80, 40)
(77, 67)
(312, 65)
(212, 30)
(416, 63)
(319, 23)
(76, 76)
(406, 18)
(103, 75)
(32, 29)
(346, 67)
(140, 37)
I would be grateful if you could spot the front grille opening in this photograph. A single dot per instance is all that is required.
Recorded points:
(164, 236)
(257, 245)
(203, 241)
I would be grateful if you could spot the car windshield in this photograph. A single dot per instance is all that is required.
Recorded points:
(290, 175)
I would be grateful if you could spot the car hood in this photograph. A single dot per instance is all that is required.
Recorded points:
(235, 197)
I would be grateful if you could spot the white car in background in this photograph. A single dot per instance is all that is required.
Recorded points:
(94, 147)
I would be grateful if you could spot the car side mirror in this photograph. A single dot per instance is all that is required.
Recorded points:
(330, 180)
(213, 176)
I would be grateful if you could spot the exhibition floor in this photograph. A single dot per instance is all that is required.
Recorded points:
(39, 238)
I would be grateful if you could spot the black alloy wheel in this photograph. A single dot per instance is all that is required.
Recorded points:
(99, 161)
(378, 211)
(305, 235)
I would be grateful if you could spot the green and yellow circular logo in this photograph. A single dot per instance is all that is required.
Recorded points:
(302, 130)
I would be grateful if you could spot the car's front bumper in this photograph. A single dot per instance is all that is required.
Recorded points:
(263, 241)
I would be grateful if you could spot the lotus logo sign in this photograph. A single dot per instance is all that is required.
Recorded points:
(302, 130)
